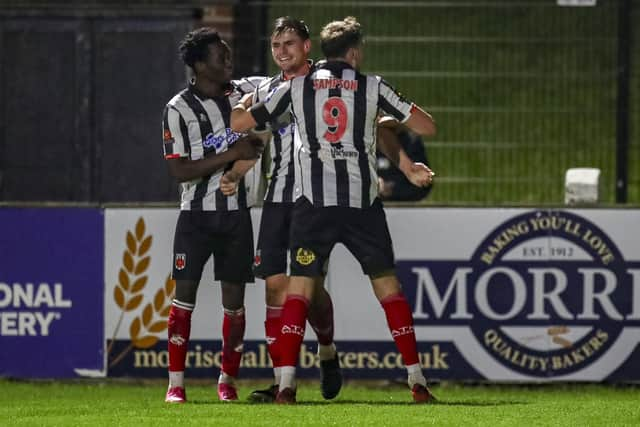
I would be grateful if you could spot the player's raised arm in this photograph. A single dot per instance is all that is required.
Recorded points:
(411, 115)
(241, 118)
(421, 122)
(244, 119)
(417, 173)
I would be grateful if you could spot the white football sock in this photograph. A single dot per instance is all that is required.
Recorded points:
(415, 375)
(224, 378)
(277, 375)
(287, 377)
(176, 379)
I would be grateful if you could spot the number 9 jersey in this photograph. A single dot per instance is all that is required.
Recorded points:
(335, 109)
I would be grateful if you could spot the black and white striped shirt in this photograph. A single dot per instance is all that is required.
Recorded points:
(335, 109)
(194, 126)
(282, 173)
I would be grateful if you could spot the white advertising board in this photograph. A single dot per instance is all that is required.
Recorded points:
(497, 294)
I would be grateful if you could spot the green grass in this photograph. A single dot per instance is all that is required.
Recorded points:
(116, 403)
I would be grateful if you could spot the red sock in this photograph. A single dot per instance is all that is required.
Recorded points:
(321, 320)
(179, 327)
(293, 320)
(233, 327)
(272, 331)
(400, 323)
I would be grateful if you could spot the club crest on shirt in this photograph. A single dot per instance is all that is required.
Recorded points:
(305, 256)
(166, 135)
(181, 261)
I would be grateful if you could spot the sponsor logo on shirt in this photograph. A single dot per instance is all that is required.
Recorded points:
(219, 141)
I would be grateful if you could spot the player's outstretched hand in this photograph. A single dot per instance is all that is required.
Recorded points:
(247, 100)
(229, 183)
(420, 175)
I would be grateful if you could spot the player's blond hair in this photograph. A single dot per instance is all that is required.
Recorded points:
(337, 37)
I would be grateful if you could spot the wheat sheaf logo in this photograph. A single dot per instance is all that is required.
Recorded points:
(128, 295)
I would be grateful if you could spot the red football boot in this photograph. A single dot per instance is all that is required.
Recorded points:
(176, 395)
(227, 392)
(421, 394)
(286, 396)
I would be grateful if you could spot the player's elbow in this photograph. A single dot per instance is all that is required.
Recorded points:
(178, 168)
(180, 177)
(430, 129)
(425, 129)
(422, 124)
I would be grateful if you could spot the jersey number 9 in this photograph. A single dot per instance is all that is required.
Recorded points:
(334, 114)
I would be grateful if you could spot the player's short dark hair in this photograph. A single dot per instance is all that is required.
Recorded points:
(195, 45)
(287, 23)
(337, 37)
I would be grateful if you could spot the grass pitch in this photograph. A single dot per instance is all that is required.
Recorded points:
(116, 403)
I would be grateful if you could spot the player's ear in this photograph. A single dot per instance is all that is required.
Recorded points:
(353, 57)
(307, 46)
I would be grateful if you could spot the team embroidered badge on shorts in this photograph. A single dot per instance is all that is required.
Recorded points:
(305, 256)
(181, 261)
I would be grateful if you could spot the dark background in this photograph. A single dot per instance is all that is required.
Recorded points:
(521, 91)
(83, 86)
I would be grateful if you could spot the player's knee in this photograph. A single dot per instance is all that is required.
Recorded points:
(321, 297)
(233, 295)
(276, 290)
(385, 286)
(186, 291)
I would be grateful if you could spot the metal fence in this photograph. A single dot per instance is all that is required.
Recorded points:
(521, 91)
(82, 97)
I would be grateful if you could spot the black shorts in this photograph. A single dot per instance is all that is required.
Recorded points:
(364, 232)
(273, 240)
(228, 236)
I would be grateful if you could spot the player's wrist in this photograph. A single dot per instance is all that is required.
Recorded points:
(232, 177)
(404, 163)
(239, 106)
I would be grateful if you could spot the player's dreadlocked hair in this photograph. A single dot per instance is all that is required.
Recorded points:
(195, 45)
(338, 36)
(287, 23)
